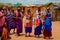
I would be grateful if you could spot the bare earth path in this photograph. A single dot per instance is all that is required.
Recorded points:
(55, 33)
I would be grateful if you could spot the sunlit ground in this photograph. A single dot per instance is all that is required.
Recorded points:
(55, 33)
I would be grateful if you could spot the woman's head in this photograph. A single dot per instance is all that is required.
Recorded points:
(5, 25)
(48, 10)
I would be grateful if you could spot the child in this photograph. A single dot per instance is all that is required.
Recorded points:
(47, 27)
(5, 32)
(38, 27)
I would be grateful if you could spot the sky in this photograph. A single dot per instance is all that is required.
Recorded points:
(29, 2)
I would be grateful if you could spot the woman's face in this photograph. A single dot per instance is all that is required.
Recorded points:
(5, 25)
(5, 12)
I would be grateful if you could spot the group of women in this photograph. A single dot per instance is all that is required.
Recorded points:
(13, 19)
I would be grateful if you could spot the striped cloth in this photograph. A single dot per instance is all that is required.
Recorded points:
(9, 19)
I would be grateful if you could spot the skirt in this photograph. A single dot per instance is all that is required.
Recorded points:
(0, 34)
(1, 31)
(14, 24)
(38, 30)
(19, 26)
(28, 29)
(47, 33)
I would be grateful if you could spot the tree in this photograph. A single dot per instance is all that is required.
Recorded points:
(18, 4)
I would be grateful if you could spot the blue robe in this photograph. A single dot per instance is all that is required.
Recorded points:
(48, 15)
(48, 24)
(47, 28)
(38, 29)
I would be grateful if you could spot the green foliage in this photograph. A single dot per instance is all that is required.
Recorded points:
(18, 4)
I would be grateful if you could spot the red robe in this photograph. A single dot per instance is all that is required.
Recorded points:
(4, 34)
(37, 22)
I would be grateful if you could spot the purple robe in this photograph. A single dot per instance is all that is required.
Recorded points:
(19, 24)
(2, 20)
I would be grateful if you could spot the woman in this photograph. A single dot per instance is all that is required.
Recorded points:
(9, 19)
(28, 23)
(2, 20)
(38, 27)
(47, 26)
(4, 32)
(13, 21)
(18, 21)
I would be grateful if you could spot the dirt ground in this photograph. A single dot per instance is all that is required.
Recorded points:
(55, 33)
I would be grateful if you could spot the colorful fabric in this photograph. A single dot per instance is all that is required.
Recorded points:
(48, 15)
(47, 33)
(1, 31)
(4, 34)
(38, 29)
(48, 24)
(19, 24)
(9, 20)
(28, 23)
(14, 23)
(37, 22)
(28, 29)
(1, 28)
(2, 19)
